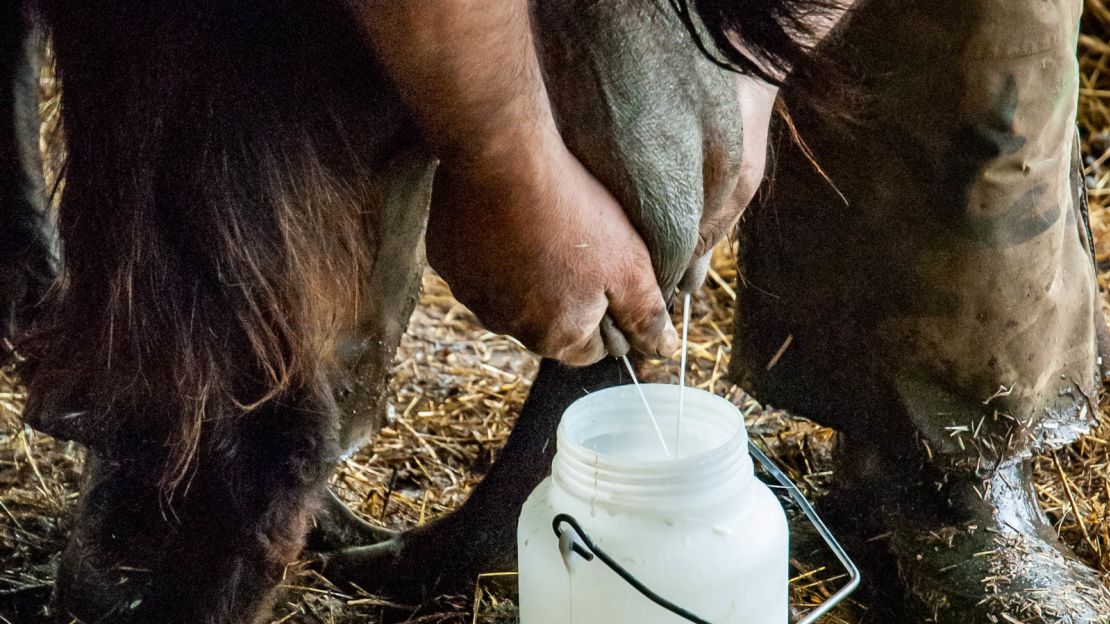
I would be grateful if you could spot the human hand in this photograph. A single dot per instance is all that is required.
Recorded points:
(537, 248)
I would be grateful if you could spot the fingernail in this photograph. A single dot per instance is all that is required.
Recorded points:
(670, 343)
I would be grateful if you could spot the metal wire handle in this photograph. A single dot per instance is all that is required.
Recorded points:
(819, 524)
(588, 550)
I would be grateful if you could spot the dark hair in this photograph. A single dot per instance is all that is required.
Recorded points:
(778, 35)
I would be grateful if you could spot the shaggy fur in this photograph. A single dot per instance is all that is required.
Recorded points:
(211, 223)
(216, 222)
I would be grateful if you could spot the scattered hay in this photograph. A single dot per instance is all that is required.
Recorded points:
(457, 390)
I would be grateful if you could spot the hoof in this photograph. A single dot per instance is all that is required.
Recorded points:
(999, 560)
(389, 569)
(443, 557)
(335, 527)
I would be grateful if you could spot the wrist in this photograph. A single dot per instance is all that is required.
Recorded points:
(522, 154)
(507, 135)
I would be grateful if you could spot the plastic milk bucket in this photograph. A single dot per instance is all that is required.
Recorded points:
(698, 531)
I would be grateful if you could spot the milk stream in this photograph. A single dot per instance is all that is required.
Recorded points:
(647, 407)
(682, 375)
(681, 387)
(695, 531)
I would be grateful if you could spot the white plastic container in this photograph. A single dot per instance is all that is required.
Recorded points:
(700, 530)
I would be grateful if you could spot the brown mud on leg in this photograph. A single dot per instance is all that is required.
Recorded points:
(938, 296)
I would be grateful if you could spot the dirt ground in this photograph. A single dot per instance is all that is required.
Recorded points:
(456, 391)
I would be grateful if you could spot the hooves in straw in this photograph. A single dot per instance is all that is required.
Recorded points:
(409, 566)
(443, 557)
(335, 527)
(994, 557)
(449, 553)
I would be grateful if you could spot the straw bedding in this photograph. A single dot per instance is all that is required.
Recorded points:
(456, 391)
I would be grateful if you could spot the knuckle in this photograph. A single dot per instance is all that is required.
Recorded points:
(570, 342)
(642, 319)
(575, 338)
(557, 342)
(577, 357)
(546, 345)
(524, 331)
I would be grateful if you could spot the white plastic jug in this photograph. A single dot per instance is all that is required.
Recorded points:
(700, 531)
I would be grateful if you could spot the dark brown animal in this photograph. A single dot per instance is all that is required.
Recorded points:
(240, 236)
(240, 232)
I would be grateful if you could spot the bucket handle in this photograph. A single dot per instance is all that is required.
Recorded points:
(819, 524)
(588, 550)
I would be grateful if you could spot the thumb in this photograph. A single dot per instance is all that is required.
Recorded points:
(639, 311)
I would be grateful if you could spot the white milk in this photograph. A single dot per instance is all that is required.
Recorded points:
(700, 530)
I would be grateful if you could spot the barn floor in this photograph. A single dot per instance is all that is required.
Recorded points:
(456, 390)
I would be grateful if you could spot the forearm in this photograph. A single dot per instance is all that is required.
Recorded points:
(467, 70)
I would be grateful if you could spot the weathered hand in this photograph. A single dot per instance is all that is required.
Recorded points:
(538, 249)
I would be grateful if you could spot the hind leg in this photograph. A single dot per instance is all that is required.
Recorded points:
(365, 354)
(480, 536)
(26, 259)
(945, 255)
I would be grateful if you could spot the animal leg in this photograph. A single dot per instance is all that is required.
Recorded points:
(335, 527)
(26, 258)
(365, 355)
(481, 535)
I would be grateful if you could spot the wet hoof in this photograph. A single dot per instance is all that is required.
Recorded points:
(962, 575)
(335, 527)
